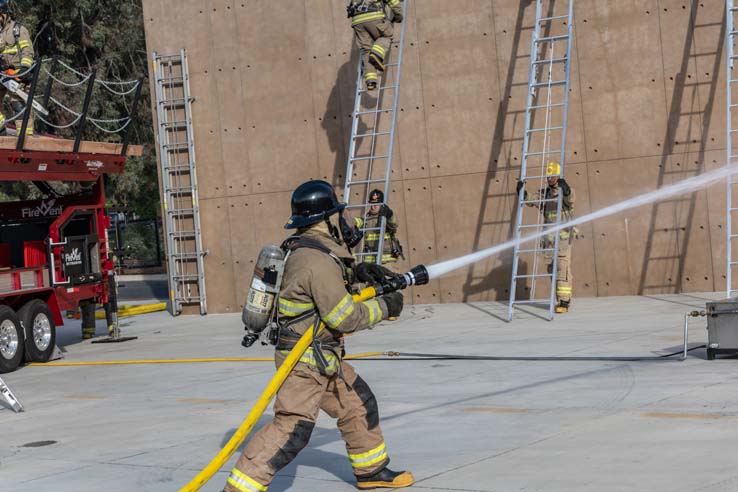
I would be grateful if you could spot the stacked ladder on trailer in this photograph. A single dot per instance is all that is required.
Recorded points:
(9, 398)
(369, 163)
(185, 262)
(544, 141)
(732, 159)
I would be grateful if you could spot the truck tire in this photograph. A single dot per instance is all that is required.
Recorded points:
(11, 340)
(39, 329)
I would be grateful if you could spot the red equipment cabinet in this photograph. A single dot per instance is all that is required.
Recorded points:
(55, 250)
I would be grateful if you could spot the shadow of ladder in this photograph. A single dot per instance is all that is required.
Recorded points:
(666, 246)
(505, 138)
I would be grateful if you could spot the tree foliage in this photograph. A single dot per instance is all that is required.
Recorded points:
(107, 37)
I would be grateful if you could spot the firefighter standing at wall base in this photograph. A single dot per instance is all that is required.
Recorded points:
(391, 249)
(556, 185)
(316, 288)
(374, 30)
(16, 55)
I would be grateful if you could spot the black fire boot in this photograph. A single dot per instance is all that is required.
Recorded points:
(385, 479)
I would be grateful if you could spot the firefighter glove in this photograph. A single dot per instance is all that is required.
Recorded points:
(372, 273)
(387, 212)
(565, 188)
(521, 185)
(394, 301)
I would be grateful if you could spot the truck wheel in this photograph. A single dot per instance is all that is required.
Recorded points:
(40, 330)
(11, 340)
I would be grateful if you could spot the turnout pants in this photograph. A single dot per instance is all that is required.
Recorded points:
(564, 279)
(304, 393)
(374, 36)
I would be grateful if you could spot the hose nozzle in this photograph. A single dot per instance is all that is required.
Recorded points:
(417, 276)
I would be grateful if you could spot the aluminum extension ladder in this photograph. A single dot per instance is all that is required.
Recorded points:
(544, 140)
(9, 397)
(732, 132)
(372, 141)
(185, 254)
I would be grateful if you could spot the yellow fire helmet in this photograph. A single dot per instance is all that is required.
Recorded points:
(553, 169)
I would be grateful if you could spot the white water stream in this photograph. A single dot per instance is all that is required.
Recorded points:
(687, 186)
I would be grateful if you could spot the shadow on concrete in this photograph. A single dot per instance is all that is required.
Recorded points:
(674, 235)
(487, 282)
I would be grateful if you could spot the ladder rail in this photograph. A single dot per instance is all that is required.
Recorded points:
(730, 39)
(10, 398)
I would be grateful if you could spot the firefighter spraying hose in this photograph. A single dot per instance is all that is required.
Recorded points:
(264, 301)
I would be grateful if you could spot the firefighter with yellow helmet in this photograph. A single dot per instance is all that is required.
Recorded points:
(557, 184)
(315, 287)
(373, 24)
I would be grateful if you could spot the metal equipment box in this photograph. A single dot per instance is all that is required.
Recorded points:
(722, 327)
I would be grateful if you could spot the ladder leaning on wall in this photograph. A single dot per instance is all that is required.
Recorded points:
(544, 140)
(369, 163)
(185, 254)
(731, 217)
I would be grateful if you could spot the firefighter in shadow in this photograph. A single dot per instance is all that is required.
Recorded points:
(373, 24)
(547, 202)
(371, 223)
(316, 287)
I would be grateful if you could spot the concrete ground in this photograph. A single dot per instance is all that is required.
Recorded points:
(458, 425)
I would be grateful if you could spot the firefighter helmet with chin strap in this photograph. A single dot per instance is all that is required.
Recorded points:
(313, 202)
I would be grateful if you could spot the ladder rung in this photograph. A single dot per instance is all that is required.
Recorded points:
(366, 181)
(173, 102)
(172, 80)
(552, 38)
(557, 105)
(174, 124)
(374, 111)
(552, 128)
(181, 211)
(183, 233)
(548, 84)
(187, 256)
(379, 89)
(545, 152)
(369, 157)
(549, 61)
(191, 276)
(541, 200)
(178, 168)
(539, 177)
(538, 250)
(364, 135)
(179, 191)
(533, 301)
(532, 226)
(175, 144)
(556, 17)
(535, 275)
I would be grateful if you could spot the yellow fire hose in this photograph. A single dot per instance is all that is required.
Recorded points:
(261, 404)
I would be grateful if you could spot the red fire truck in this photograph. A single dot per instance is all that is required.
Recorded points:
(54, 253)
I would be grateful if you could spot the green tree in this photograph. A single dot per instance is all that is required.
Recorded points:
(105, 36)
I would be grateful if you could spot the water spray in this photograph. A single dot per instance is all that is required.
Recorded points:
(691, 184)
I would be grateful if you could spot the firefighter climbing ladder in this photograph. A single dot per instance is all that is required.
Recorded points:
(9, 397)
(544, 140)
(185, 262)
(732, 132)
(372, 142)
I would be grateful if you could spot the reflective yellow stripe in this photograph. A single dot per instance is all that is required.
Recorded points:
(375, 312)
(24, 44)
(292, 309)
(339, 313)
(359, 222)
(369, 458)
(564, 290)
(374, 236)
(358, 19)
(26, 62)
(371, 76)
(379, 50)
(309, 358)
(387, 258)
(245, 483)
(392, 3)
(2, 119)
(10, 51)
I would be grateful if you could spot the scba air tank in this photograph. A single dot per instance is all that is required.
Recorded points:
(265, 285)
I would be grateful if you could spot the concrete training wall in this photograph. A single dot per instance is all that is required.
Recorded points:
(274, 82)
